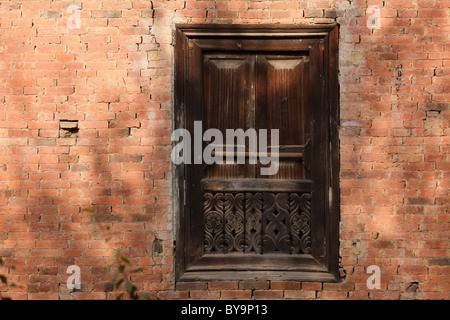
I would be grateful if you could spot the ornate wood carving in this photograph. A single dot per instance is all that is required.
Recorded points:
(234, 221)
(276, 223)
(257, 222)
(253, 225)
(213, 210)
(300, 211)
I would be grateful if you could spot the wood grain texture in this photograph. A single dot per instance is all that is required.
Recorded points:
(260, 77)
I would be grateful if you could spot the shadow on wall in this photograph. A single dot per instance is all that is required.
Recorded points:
(392, 133)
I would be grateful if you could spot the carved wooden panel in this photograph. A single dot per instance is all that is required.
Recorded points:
(300, 211)
(213, 210)
(276, 223)
(253, 223)
(282, 102)
(233, 209)
(257, 222)
(224, 222)
(228, 103)
(259, 91)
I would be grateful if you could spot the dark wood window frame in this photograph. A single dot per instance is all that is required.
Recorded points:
(321, 44)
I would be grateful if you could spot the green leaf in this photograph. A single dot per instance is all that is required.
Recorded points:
(3, 279)
(120, 297)
(137, 270)
(118, 283)
(121, 268)
(114, 278)
(129, 286)
(125, 260)
(131, 289)
(89, 209)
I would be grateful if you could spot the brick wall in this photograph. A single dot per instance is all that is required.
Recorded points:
(85, 127)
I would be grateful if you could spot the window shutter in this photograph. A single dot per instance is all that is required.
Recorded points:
(234, 219)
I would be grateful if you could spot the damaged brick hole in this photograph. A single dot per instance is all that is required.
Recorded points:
(356, 247)
(434, 109)
(68, 128)
(413, 287)
(433, 113)
(356, 244)
(157, 245)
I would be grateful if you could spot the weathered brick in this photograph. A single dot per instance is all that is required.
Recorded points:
(85, 141)
(51, 14)
(190, 286)
(299, 294)
(268, 294)
(236, 294)
(284, 285)
(254, 285)
(203, 294)
(106, 13)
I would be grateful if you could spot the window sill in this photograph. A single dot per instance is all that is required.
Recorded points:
(220, 267)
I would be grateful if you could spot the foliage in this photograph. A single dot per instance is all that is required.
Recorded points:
(122, 277)
(4, 280)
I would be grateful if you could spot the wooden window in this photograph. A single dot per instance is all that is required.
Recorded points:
(232, 221)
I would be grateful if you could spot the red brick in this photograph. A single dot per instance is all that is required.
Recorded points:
(384, 295)
(268, 294)
(330, 295)
(392, 130)
(311, 286)
(253, 285)
(359, 295)
(197, 294)
(173, 295)
(338, 286)
(299, 294)
(236, 294)
(284, 285)
(43, 296)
